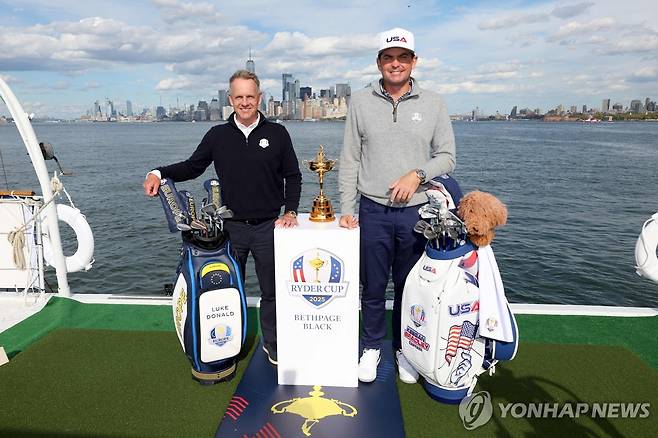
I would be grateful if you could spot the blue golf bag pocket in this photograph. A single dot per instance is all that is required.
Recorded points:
(209, 309)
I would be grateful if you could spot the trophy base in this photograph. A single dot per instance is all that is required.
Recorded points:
(322, 210)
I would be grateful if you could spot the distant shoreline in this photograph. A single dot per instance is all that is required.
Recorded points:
(550, 120)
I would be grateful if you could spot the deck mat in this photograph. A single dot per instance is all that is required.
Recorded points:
(104, 383)
(135, 383)
(262, 408)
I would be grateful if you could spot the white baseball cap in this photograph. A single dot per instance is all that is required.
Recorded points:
(397, 37)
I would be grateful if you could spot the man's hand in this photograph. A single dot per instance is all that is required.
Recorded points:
(348, 221)
(403, 188)
(286, 221)
(151, 185)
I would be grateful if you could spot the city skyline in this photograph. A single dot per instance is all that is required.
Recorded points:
(59, 58)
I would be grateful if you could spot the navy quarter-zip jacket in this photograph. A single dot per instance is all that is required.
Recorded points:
(258, 174)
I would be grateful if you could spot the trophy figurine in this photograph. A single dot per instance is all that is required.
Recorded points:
(316, 264)
(321, 211)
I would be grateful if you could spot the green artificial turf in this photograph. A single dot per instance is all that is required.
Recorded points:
(106, 383)
(118, 371)
(547, 373)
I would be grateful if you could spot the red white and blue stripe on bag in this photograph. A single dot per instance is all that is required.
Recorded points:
(461, 336)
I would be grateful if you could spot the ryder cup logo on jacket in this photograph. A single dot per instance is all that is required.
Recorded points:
(263, 143)
(317, 276)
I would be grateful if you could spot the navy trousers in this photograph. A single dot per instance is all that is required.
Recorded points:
(387, 241)
(259, 239)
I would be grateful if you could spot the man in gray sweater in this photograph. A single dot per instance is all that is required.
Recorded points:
(397, 136)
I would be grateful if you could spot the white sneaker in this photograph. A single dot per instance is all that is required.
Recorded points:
(368, 365)
(408, 374)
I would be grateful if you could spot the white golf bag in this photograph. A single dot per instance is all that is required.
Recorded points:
(454, 327)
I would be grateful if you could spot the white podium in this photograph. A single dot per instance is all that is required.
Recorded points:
(317, 303)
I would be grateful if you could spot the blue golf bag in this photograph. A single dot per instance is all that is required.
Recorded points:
(209, 304)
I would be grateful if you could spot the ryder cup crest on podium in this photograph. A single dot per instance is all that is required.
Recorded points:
(317, 276)
(322, 210)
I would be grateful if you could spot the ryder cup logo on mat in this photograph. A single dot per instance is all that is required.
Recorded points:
(263, 143)
(220, 335)
(417, 314)
(317, 276)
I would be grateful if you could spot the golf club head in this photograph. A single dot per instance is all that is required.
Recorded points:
(196, 224)
(227, 214)
(429, 212)
(421, 226)
(429, 234)
(209, 210)
(183, 227)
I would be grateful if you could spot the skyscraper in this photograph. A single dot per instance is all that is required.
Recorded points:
(636, 106)
(250, 66)
(286, 78)
(605, 106)
(129, 108)
(343, 90)
(305, 91)
(222, 97)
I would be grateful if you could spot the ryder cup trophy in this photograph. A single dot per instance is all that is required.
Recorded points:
(321, 211)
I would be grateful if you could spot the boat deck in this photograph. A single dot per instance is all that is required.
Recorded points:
(114, 370)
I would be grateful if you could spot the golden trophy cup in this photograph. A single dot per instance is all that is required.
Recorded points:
(322, 210)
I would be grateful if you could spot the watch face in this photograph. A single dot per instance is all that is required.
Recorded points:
(421, 174)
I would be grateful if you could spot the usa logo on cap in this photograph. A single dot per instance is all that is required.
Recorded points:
(397, 37)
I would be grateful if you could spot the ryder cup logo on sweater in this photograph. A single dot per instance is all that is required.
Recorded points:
(317, 276)
(263, 143)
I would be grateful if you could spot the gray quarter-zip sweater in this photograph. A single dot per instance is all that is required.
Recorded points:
(385, 140)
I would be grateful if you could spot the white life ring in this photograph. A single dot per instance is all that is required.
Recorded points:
(645, 250)
(83, 257)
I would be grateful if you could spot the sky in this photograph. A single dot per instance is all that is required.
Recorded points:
(59, 57)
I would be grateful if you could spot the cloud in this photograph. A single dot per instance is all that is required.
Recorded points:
(96, 42)
(91, 85)
(59, 85)
(177, 83)
(8, 79)
(472, 87)
(631, 44)
(518, 18)
(569, 11)
(513, 20)
(582, 29)
(174, 11)
(644, 74)
(302, 45)
(500, 67)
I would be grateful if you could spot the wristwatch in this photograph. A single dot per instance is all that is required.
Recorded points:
(422, 176)
(292, 213)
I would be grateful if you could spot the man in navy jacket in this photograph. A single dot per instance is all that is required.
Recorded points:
(259, 172)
